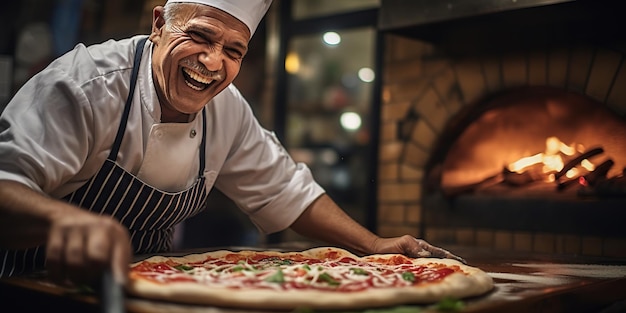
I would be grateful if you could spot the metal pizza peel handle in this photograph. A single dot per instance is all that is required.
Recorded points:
(111, 294)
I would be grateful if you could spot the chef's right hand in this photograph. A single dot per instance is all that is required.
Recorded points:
(82, 245)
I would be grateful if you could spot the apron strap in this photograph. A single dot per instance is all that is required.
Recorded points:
(202, 144)
(133, 80)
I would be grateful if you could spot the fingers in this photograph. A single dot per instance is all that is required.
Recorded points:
(412, 247)
(98, 248)
(110, 250)
(80, 248)
(55, 256)
(441, 253)
(65, 257)
(75, 268)
(428, 250)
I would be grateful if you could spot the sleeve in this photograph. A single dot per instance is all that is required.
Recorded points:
(262, 178)
(43, 131)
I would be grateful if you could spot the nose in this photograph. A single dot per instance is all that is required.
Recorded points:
(212, 58)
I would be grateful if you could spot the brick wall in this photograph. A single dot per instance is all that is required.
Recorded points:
(419, 81)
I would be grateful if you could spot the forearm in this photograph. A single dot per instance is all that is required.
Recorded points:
(25, 215)
(324, 220)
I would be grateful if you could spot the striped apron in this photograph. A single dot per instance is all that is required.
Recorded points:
(149, 214)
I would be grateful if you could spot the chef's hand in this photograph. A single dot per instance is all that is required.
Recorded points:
(412, 247)
(82, 245)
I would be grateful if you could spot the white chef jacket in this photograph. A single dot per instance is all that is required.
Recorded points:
(58, 129)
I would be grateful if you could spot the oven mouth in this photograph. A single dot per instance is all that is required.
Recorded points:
(515, 124)
(541, 139)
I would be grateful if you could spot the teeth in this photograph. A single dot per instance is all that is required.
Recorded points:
(197, 77)
(194, 87)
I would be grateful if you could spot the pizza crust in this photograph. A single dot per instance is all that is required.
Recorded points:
(472, 282)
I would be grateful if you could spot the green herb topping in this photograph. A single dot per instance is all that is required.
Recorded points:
(408, 276)
(183, 267)
(329, 279)
(277, 277)
(359, 271)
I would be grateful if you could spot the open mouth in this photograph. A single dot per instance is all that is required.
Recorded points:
(196, 81)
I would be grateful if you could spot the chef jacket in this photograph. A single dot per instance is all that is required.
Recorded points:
(57, 131)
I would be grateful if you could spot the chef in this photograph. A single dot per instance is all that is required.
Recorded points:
(104, 151)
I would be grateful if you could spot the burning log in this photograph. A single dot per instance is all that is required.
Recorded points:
(590, 179)
(565, 184)
(611, 187)
(575, 161)
(599, 173)
(523, 178)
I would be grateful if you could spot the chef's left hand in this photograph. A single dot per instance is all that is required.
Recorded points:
(412, 247)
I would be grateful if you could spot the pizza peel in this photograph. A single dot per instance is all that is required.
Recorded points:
(111, 294)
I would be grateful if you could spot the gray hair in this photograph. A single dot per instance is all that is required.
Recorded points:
(170, 12)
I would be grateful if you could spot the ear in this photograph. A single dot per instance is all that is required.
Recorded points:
(158, 22)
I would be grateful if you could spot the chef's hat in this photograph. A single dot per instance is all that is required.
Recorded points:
(250, 12)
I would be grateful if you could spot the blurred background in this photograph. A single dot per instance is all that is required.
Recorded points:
(374, 94)
(309, 76)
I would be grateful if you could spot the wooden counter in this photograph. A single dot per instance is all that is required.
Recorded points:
(523, 283)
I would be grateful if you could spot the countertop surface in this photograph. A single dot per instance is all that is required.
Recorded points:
(524, 282)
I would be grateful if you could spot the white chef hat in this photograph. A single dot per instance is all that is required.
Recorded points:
(250, 12)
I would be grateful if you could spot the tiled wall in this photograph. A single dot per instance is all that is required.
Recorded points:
(419, 78)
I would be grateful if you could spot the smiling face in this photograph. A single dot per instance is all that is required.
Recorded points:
(197, 53)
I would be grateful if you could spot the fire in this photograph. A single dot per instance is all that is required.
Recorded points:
(573, 172)
(551, 159)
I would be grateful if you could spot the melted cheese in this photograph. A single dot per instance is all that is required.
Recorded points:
(273, 273)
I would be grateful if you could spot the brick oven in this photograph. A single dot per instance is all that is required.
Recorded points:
(469, 88)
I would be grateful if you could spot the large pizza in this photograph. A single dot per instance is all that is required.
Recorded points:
(319, 278)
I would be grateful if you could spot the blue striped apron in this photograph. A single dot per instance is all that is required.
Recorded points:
(149, 214)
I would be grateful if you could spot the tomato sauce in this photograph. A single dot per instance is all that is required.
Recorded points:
(398, 271)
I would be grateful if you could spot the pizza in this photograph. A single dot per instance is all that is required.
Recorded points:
(318, 278)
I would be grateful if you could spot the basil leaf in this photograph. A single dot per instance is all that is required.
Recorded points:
(408, 276)
(359, 271)
(329, 279)
(277, 277)
(183, 267)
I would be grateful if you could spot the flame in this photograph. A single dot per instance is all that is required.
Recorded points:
(551, 158)
(573, 172)
(587, 165)
(523, 163)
